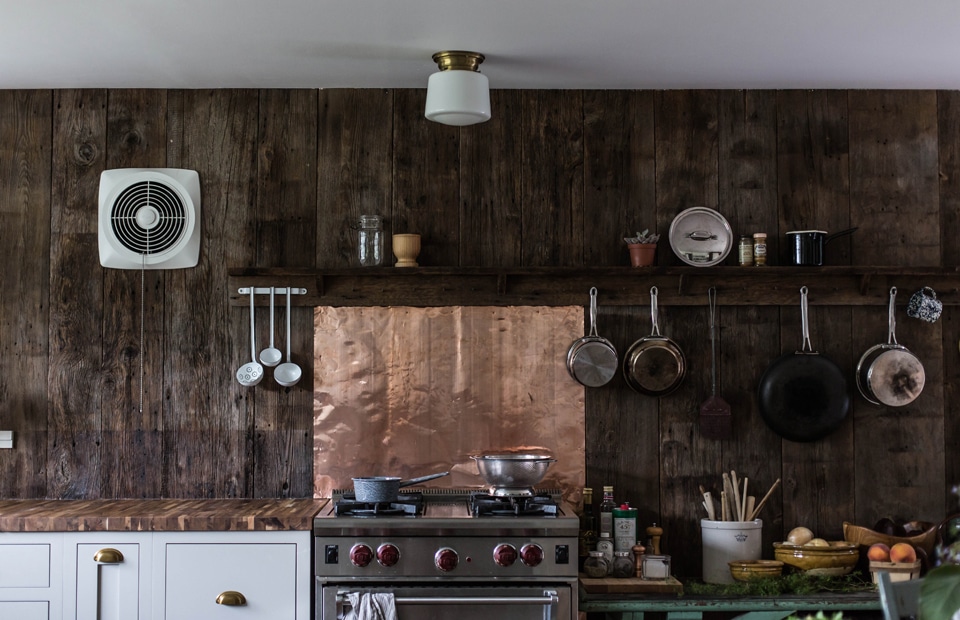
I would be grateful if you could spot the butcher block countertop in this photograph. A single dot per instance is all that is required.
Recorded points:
(158, 515)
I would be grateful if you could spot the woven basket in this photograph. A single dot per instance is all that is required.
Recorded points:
(865, 537)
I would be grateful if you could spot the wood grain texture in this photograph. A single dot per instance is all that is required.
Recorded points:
(426, 180)
(158, 515)
(552, 177)
(353, 144)
(490, 213)
(25, 170)
(208, 438)
(132, 440)
(619, 169)
(76, 296)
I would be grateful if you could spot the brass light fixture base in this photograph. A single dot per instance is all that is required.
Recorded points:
(458, 60)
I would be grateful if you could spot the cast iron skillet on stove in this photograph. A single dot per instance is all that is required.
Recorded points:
(803, 395)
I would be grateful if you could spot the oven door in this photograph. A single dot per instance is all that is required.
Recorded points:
(548, 601)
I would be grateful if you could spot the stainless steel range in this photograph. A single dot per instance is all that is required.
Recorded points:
(450, 553)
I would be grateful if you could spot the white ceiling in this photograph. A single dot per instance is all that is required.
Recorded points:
(536, 44)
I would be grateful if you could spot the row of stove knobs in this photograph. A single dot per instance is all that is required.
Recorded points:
(446, 559)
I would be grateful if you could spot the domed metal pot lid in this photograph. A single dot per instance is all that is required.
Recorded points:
(700, 237)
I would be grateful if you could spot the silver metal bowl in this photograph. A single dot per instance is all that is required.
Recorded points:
(513, 470)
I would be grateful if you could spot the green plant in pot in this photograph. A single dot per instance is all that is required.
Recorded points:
(643, 248)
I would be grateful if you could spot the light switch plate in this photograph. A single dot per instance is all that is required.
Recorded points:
(6, 439)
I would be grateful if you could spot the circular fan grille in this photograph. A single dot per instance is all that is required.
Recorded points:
(148, 218)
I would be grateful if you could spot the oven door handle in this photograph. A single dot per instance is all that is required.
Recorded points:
(549, 597)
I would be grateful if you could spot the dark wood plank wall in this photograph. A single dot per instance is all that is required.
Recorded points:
(555, 178)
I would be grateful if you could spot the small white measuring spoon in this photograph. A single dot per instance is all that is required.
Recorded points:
(287, 373)
(271, 356)
(251, 373)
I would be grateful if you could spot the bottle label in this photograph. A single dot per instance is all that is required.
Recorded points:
(606, 523)
(625, 533)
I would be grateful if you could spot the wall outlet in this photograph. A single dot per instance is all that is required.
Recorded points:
(6, 439)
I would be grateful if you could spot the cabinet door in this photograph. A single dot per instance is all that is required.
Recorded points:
(108, 585)
(264, 574)
(33, 610)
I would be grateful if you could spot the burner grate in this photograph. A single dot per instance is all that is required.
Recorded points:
(485, 505)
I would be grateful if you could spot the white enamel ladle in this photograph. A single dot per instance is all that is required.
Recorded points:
(271, 356)
(287, 373)
(251, 373)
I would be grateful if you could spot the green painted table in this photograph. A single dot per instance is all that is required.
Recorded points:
(691, 607)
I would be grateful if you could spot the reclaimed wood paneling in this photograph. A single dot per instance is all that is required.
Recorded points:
(426, 180)
(490, 215)
(25, 171)
(286, 214)
(619, 169)
(132, 441)
(355, 138)
(894, 158)
(948, 122)
(76, 296)
(814, 188)
(208, 427)
(552, 177)
(687, 176)
(747, 337)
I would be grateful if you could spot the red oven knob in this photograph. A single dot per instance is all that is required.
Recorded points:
(360, 555)
(446, 559)
(505, 555)
(531, 555)
(388, 555)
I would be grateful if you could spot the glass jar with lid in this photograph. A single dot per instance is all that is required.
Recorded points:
(596, 565)
(623, 565)
(370, 240)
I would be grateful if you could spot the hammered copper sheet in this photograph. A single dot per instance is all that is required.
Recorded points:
(411, 391)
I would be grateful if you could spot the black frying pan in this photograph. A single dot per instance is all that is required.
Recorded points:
(803, 396)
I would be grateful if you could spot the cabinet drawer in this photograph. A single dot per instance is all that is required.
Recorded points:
(24, 566)
(265, 574)
(33, 610)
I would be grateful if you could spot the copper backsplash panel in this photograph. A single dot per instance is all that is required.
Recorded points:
(403, 391)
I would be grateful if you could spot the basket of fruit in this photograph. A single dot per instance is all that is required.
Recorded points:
(900, 561)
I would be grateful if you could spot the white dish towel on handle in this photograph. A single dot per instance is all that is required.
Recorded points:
(371, 606)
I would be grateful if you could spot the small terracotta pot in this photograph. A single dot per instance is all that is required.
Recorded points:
(642, 254)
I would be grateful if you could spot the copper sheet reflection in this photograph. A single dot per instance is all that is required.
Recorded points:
(411, 391)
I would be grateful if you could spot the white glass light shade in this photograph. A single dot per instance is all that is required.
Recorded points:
(458, 97)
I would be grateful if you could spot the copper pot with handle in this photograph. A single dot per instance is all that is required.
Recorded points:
(654, 365)
(888, 373)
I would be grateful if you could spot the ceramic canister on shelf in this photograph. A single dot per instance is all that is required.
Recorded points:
(624, 527)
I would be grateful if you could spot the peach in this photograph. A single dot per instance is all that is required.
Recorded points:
(903, 552)
(879, 552)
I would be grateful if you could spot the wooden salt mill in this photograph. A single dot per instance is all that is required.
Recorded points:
(638, 559)
(654, 533)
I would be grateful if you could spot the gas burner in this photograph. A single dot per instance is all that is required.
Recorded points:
(485, 505)
(406, 504)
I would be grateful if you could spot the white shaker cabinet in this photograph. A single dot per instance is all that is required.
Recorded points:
(31, 573)
(238, 575)
(109, 578)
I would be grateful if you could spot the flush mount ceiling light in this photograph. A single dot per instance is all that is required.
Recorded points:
(458, 94)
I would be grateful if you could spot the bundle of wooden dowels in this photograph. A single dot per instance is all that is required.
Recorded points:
(735, 505)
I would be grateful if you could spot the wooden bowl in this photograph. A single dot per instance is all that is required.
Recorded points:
(865, 537)
(745, 570)
(837, 559)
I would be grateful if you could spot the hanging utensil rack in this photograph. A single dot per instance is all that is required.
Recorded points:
(265, 290)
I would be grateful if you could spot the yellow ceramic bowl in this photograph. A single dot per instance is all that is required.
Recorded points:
(837, 559)
(745, 570)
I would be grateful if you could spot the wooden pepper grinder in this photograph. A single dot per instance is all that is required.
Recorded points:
(654, 533)
(638, 559)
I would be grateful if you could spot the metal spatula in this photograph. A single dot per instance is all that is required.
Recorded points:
(716, 421)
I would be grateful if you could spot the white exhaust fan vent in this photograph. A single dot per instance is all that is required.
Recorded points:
(149, 218)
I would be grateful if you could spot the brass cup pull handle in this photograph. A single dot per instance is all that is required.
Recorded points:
(232, 598)
(108, 556)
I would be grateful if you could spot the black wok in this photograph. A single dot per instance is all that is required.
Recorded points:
(803, 396)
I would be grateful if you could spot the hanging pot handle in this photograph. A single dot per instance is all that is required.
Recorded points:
(712, 298)
(804, 322)
(892, 317)
(593, 311)
(654, 312)
(839, 234)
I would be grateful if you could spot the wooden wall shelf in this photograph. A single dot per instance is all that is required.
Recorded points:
(618, 286)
